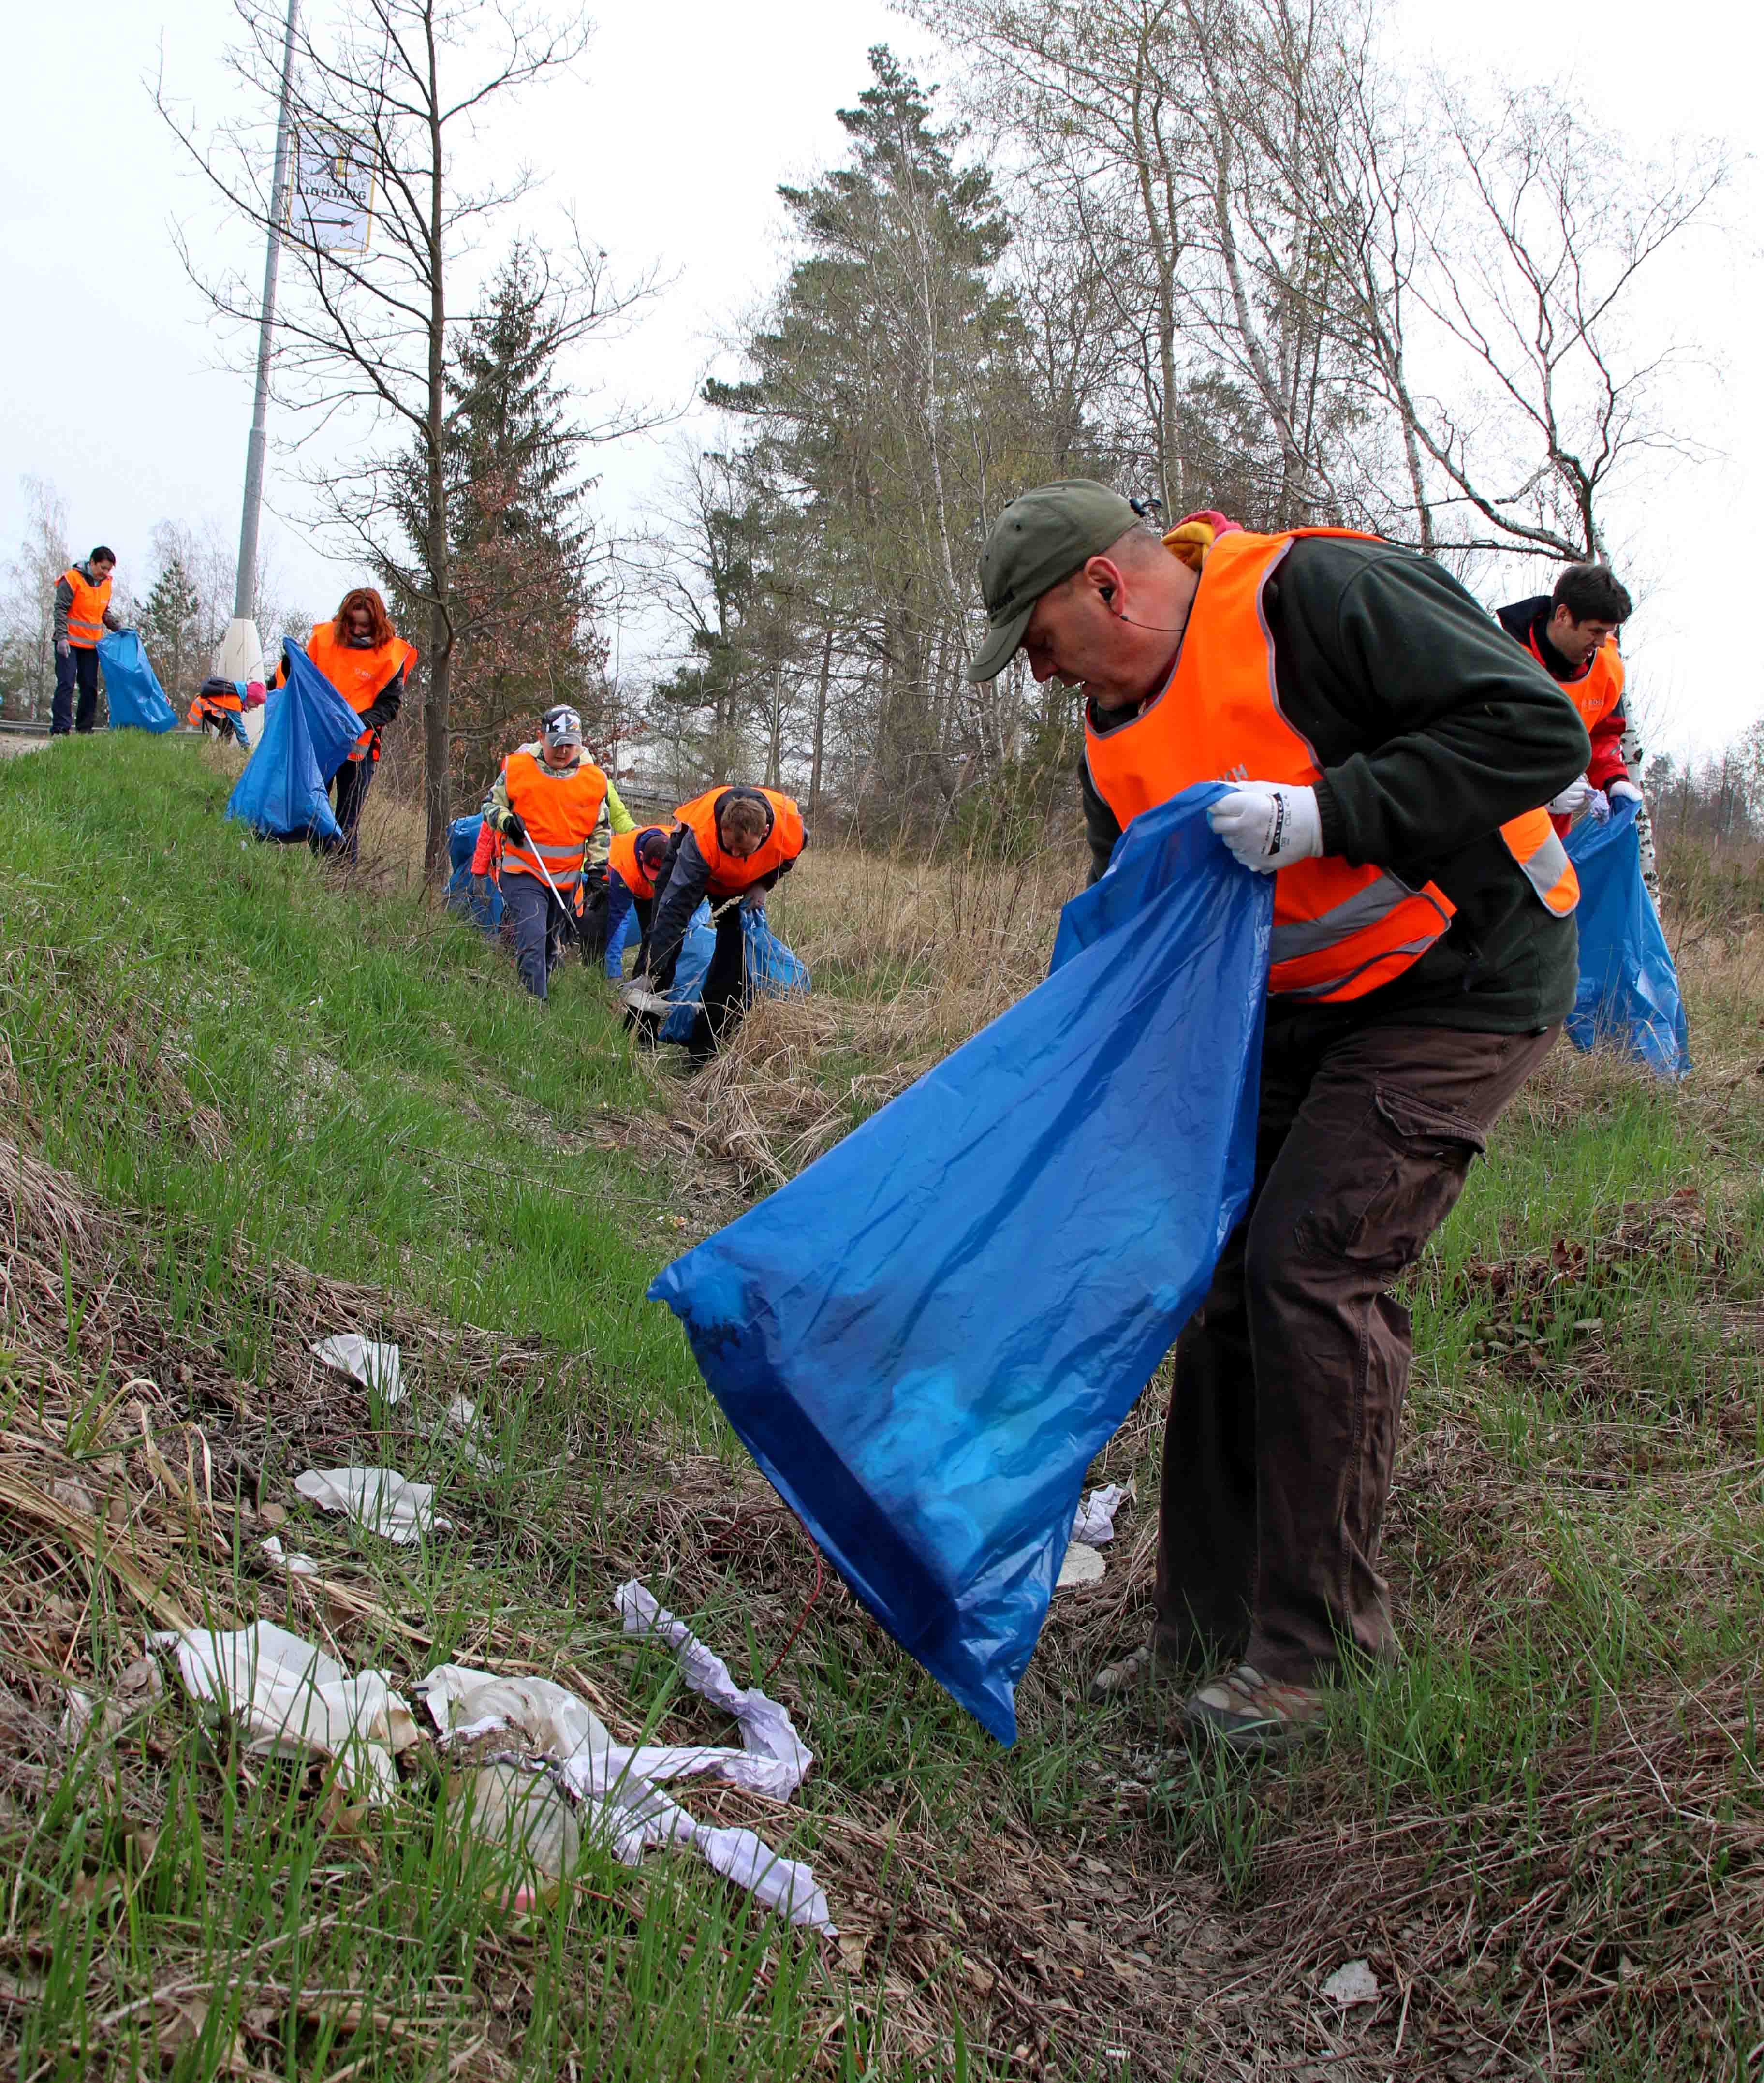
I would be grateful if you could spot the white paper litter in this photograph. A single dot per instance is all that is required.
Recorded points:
(380, 1499)
(618, 1782)
(462, 1415)
(1352, 1983)
(1094, 1524)
(294, 1562)
(373, 1365)
(298, 1701)
(1081, 1566)
(777, 1759)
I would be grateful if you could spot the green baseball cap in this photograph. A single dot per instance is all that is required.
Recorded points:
(1040, 539)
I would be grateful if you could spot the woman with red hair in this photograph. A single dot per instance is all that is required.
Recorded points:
(366, 660)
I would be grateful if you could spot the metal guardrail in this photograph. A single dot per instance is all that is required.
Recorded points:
(27, 729)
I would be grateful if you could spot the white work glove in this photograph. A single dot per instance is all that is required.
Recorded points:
(1624, 791)
(1267, 824)
(1598, 806)
(1573, 799)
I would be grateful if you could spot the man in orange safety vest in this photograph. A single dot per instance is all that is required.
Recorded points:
(545, 805)
(82, 613)
(1383, 746)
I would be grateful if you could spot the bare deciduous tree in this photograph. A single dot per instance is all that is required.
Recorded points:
(362, 351)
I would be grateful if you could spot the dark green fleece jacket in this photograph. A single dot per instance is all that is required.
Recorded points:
(1431, 728)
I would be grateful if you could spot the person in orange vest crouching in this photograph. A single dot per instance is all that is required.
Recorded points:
(366, 660)
(729, 845)
(1383, 744)
(543, 805)
(82, 613)
(634, 861)
(220, 705)
(1571, 633)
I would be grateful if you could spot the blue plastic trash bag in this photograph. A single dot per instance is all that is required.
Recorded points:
(696, 948)
(1628, 993)
(485, 911)
(131, 687)
(925, 1337)
(308, 729)
(773, 968)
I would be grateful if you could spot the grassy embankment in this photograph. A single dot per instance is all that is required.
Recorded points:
(256, 1101)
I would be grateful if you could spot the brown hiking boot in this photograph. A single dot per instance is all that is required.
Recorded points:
(1247, 1711)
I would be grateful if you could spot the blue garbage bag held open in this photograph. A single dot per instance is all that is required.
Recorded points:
(773, 968)
(308, 729)
(925, 1337)
(485, 912)
(131, 687)
(1628, 993)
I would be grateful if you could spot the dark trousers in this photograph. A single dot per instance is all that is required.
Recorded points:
(726, 996)
(535, 923)
(349, 786)
(1290, 1378)
(590, 909)
(77, 662)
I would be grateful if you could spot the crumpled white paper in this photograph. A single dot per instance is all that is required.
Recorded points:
(618, 1781)
(1094, 1524)
(380, 1499)
(292, 1561)
(366, 1361)
(776, 1760)
(296, 1701)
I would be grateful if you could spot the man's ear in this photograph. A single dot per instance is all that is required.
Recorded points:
(1105, 575)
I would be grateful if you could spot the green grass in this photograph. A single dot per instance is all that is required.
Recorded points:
(1547, 1822)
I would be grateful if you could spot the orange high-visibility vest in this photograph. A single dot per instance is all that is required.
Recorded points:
(559, 811)
(1599, 689)
(1339, 931)
(85, 616)
(359, 677)
(210, 706)
(730, 874)
(623, 860)
(1534, 839)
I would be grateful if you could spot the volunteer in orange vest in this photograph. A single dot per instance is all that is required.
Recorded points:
(82, 613)
(1571, 633)
(1381, 743)
(366, 660)
(729, 845)
(545, 805)
(633, 861)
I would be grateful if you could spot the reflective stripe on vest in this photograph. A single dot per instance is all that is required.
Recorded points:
(559, 811)
(360, 677)
(1543, 860)
(730, 874)
(86, 613)
(623, 860)
(1339, 931)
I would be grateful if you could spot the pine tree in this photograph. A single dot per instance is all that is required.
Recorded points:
(172, 628)
(525, 635)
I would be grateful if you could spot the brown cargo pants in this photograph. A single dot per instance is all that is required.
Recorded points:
(1290, 1378)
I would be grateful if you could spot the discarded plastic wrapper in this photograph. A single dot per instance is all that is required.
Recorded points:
(293, 1561)
(920, 1345)
(373, 1365)
(462, 1415)
(380, 1499)
(777, 1760)
(297, 1701)
(528, 1816)
(618, 1781)
(1094, 1523)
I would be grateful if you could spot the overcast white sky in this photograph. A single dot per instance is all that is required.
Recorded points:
(670, 147)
